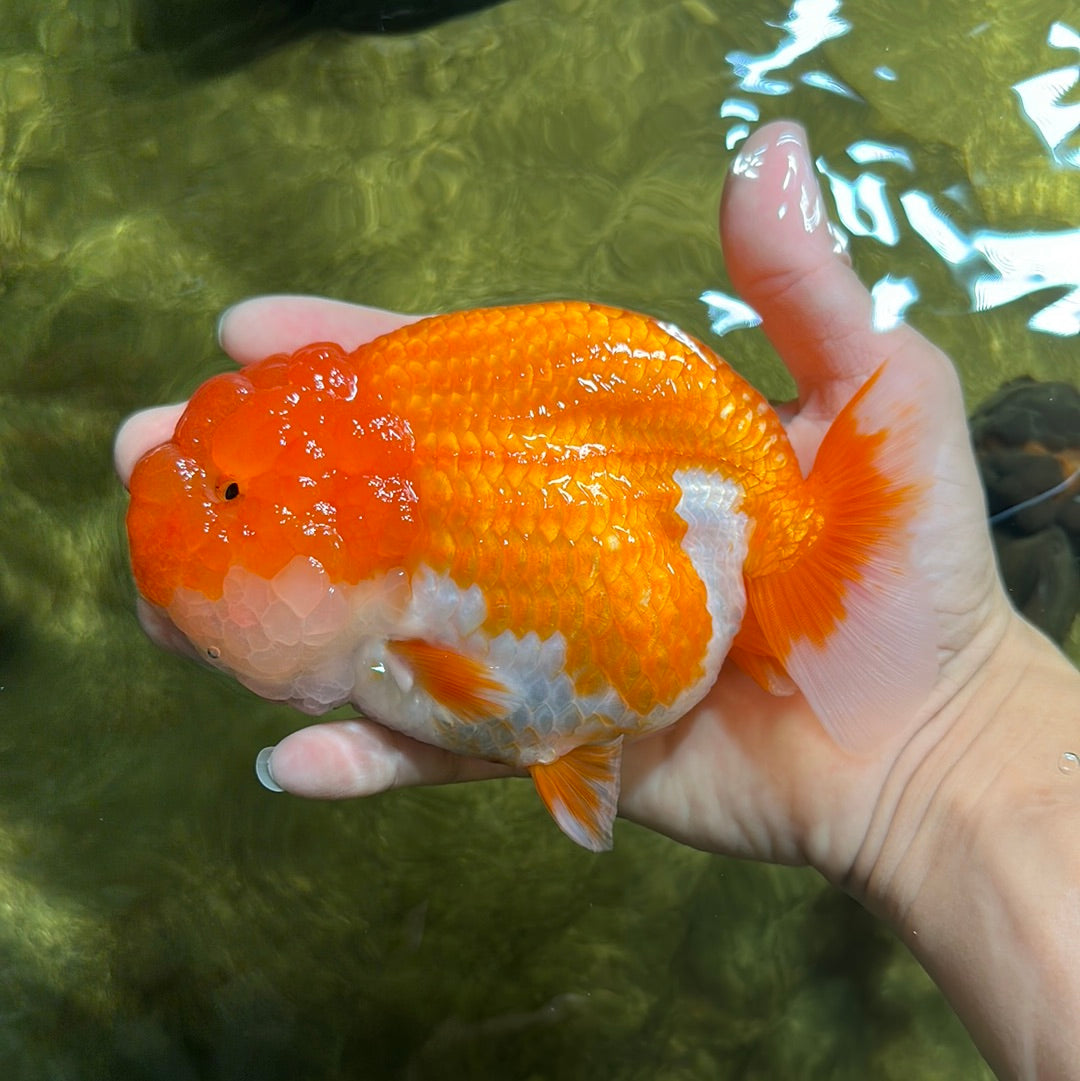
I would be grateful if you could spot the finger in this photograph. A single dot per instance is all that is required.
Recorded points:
(256, 328)
(784, 261)
(141, 432)
(343, 759)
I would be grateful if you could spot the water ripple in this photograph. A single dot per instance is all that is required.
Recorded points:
(994, 266)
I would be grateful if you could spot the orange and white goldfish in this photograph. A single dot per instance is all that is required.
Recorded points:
(526, 534)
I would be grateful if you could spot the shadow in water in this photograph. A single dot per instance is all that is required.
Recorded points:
(1027, 443)
(206, 37)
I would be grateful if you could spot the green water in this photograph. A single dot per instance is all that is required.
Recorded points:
(163, 916)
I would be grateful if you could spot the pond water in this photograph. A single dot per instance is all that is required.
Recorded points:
(164, 916)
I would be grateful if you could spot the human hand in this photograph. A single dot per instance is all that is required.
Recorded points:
(746, 772)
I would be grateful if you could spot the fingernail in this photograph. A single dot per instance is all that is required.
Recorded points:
(221, 326)
(802, 193)
(263, 772)
(778, 156)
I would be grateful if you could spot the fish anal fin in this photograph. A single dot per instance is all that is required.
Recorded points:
(464, 686)
(581, 791)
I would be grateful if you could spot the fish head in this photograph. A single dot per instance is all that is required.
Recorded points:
(283, 499)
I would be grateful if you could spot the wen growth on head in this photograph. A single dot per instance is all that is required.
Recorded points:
(528, 534)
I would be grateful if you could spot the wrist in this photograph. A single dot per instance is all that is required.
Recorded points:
(979, 867)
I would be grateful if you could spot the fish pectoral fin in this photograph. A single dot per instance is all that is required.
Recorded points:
(463, 685)
(581, 790)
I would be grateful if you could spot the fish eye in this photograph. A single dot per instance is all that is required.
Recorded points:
(232, 490)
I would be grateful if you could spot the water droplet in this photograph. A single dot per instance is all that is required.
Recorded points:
(213, 653)
(1069, 762)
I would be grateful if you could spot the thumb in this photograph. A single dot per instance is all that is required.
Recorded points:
(785, 260)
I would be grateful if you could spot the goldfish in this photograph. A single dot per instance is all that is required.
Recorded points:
(530, 534)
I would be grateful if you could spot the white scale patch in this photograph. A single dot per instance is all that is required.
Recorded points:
(717, 539)
(300, 639)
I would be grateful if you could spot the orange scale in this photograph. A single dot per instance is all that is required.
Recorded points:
(661, 585)
(417, 410)
(634, 640)
(600, 515)
(549, 529)
(535, 610)
(452, 342)
(395, 382)
(490, 444)
(559, 567)
(536, 568)
(631, 332)
(598, 323)
(445, 553)
(589, 678)
(498, 609)
(632, 559)
(575, 519)
(572, 321)
(456, 556)
(570, 608)
(445, 446)
(483, 490)
(514, 473)
(469, 454)
(527, 513)
(437, 490)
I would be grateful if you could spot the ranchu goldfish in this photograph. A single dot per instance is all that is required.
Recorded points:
(529, 534)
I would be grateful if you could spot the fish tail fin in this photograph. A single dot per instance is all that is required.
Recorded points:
(850, 621)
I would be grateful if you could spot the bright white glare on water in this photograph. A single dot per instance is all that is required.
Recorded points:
(862, 204)
(1041, 100)
(822, 81)
(809, 23)
(998, 267)
(994, 266)
(891, 298)
(728, 313)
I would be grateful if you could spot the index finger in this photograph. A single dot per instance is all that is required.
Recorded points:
(257, 328)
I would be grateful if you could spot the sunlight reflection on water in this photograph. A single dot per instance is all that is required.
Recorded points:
(994, 266)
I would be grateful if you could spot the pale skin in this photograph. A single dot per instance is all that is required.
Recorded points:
(961, 830)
